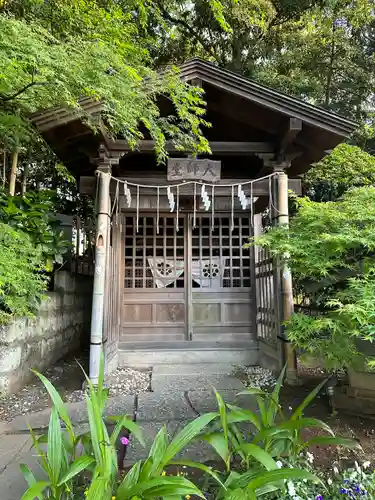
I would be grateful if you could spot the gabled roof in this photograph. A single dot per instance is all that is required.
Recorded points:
(267, 97)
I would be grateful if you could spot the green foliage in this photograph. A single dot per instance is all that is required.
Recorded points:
(345, 167)
(56, 53)
(269, 436)
(22, 282)
(354, 482)
(330, 250)
(257, 474)
(33, 214)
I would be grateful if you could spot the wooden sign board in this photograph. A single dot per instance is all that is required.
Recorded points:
(188, 169)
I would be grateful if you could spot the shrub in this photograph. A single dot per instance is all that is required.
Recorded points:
(22, 282)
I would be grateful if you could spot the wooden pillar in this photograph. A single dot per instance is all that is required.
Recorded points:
(287, 302)
(101, 247)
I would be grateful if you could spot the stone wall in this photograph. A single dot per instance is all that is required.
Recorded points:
(61, 325)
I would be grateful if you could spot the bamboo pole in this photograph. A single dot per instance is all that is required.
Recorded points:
(13, 172)
(101, 244)
(286, 280)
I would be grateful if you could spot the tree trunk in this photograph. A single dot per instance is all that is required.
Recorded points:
(327, 99)
(4, 168)
(24, 178)
(13, 173)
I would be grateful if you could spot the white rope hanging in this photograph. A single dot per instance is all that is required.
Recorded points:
(245, 201)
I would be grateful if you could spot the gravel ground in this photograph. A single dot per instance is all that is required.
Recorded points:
(124, 381)
(68, 379)
(255, 376)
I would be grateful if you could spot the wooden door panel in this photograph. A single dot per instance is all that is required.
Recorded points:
(222, 306)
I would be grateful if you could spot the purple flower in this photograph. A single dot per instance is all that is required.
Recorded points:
(319, 497)
(344, 491)
(124, 441)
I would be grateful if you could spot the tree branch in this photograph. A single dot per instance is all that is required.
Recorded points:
(21, 91)
(167, 16)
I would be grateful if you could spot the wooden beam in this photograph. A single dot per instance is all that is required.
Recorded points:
(148, 146)
(260, 188)
(292, 128)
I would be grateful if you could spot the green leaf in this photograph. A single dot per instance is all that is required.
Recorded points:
(186, 435)
(130, 480)
(28, 475)
(58, 403)
(273, 402)
(36, 490)
(310, 397)
(274, 476)
(224, 425)
(331, 441)
(220, 445)
(202, 467)
(163, 486)
(238, 414)
(158, 448)
(76, 467)
(260, 455)
(54, 447)
(131, 426)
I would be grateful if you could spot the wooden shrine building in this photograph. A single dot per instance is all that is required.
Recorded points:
(178, 284)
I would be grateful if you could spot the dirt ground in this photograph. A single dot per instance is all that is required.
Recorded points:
(360, 429)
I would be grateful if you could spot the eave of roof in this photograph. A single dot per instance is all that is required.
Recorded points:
(267, 97)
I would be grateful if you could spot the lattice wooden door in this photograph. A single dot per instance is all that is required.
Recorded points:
(222, 306)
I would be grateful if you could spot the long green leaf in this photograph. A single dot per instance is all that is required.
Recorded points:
(330, 441)
(146, 469)
(186, 435)
(76, 467)
(223, 415)
(238, 414)
(163, 486)
(305, 423)
(202, 467)
(260, 455)
(298, 412)
(36, 490)
(158, 449)
(28, 475)
(54, 447)
(130, 480)
(131, 426)
(58, 403)
(274, 476)
(40, 452)
(273, 402)
(220, 445)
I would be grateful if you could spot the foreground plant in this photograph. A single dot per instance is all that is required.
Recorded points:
(68, 471)
(252, 454)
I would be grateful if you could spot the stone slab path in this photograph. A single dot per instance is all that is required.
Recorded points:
(176, 399)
